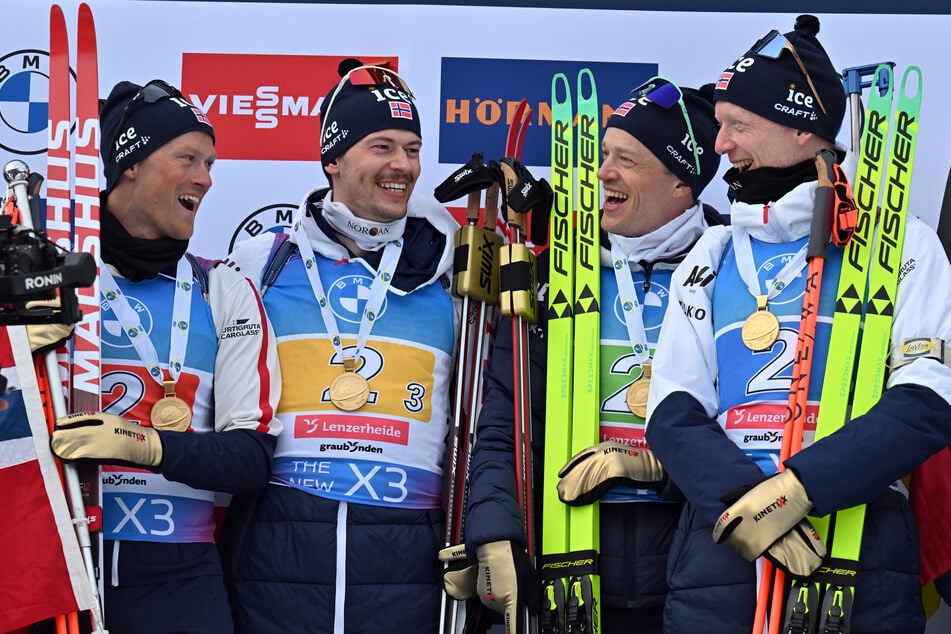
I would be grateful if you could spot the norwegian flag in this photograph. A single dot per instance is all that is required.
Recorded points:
(42, 572)
(724, 80)
(201, 116)
(624, 108)
(401, 110)
(929, 482)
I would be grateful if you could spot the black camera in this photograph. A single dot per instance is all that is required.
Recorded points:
(32, 267)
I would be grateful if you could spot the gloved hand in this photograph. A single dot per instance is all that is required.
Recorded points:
(107, 438)
(799, 552)
(459, 575)
(759, 516)
(595, 470)
(45, 337)
(507, 581)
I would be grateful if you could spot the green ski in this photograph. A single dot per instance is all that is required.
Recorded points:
(560, 361)
(571, 586)
(870, 268)
(584, 591)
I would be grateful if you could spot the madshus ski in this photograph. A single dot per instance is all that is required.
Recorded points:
(568, 565)
(72, 222)
(856, 366)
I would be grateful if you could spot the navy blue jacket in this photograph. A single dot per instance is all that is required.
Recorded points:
(635, 537)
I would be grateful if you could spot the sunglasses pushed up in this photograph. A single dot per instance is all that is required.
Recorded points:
(664, 93)
(365, 76)
(152, 92)
(772, 45)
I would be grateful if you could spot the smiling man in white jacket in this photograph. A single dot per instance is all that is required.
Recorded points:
(718, 400)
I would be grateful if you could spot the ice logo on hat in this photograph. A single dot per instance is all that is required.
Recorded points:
(800, 101)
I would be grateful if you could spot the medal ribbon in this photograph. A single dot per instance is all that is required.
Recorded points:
(128, 318)
(633, 310)
(378, 289)
(747, 266)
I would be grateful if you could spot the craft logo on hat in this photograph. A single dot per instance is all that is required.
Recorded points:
(792, 101)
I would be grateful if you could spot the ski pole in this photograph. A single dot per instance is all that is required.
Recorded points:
(518, 300)
(476, 283)
(16, 173)
(820, 231)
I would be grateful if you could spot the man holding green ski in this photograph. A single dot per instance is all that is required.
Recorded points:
(658, 156)
(722, 374)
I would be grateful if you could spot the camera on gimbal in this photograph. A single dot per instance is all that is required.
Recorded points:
(32, 268)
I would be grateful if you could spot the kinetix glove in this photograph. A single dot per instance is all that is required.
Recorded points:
(799, 552)
(761, 515)
(459, 575)
(595, 470)
(106, 438)
(46, 337)
(507, 581)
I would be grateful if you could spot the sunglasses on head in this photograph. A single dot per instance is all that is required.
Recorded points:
(772, 45)
(365, 76)
(152, 92)
(664, 93)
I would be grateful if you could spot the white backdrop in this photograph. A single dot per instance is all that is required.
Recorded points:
(140, 40)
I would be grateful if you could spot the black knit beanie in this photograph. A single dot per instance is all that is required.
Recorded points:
(149, 117)
(664, 131)
(767, 80)
(367, 99)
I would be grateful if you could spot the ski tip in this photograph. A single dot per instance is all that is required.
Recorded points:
(560, 89)
(912, 78)
(586, 87)
(56, 13)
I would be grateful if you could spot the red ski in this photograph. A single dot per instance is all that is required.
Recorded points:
(79, 232)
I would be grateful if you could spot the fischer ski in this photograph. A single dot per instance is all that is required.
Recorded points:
(846, 535)
(803, 602)
(560, 335)
(570, 539)
(865, 304)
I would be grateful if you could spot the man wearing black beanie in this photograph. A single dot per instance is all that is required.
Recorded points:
(187, 355)
(658, 155)
(344, 537)
(722, 376)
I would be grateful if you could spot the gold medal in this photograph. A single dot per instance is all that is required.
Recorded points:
(637, 392)
(761, 329)
(349, 391)
(171, 413)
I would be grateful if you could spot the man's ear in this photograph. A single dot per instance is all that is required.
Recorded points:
(682, 189)
(130, 173)
(803, 137)
(332, 167)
